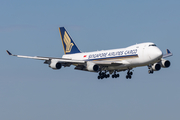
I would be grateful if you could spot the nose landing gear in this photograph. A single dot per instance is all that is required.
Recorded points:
(150, 71)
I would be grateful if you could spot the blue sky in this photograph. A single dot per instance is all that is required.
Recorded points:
(30, 90)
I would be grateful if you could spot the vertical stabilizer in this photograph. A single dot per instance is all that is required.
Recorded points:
(68, 44)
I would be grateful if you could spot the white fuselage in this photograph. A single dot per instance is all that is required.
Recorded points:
(133, 56)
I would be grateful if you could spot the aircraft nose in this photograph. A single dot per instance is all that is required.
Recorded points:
(157, 53)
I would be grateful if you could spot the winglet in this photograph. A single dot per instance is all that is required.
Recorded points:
(8, 52)
(168, 53)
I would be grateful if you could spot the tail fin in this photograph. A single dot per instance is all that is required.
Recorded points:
(68, 44)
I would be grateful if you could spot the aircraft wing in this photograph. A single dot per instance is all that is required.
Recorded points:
(80, 64)
(48, 58)
(103, 62)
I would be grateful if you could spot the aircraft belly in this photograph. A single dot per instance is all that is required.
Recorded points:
(116, 67)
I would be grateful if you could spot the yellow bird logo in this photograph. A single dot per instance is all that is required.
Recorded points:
(68, 43)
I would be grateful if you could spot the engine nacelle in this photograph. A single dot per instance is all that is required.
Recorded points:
(165, 63)
(55, 65)
(92, 67)
(156, 67)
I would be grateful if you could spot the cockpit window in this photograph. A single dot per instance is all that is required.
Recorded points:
(152, 45)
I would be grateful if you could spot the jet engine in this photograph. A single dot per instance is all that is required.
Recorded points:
(92, 67)
(55, 65)
(165, 63)
(156, 67)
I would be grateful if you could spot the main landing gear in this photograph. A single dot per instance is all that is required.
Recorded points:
(115, 75)
(129, 74)
(103, 75)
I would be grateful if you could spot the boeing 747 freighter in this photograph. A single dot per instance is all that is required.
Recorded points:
(107, 62)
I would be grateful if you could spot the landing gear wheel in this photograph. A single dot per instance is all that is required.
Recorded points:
(117, 75)
(102, 75)
(128, 76)
(131, 73)
(150, 71)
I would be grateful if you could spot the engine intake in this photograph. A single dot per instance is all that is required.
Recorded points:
(156, 67)
(165, 63)
(92, 67)
(55, 65)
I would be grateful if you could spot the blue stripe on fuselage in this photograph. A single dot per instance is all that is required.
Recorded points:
(115, 57)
